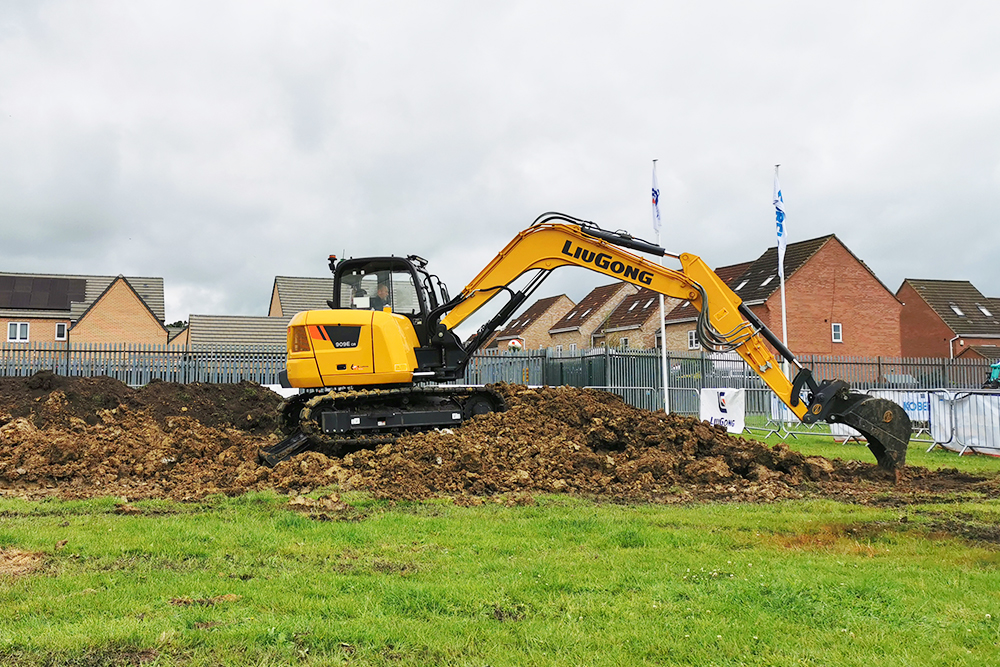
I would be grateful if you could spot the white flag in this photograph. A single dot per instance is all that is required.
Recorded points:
(656, 202)
(779, 217)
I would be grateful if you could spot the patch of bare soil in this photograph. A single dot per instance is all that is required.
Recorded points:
(14, 562)
(85, 437)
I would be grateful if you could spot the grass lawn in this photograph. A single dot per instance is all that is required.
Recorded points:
(248, 580)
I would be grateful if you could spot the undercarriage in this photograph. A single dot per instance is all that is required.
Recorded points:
(341, 421)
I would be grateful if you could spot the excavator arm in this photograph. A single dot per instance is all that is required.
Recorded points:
(724, 323)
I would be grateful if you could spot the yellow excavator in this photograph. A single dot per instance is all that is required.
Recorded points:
(373, 365)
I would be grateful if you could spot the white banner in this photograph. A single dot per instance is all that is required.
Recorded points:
(725, 407)
(916, 404)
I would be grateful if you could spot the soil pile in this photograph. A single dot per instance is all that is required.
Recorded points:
(80, 437)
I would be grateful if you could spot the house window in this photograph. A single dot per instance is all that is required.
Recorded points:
(61, 331)
(956, 309)
(558, 348)
(648, 304)
(983, 310)
(632, 307)
(692, 340)
(572, 347)
(838, 332)
(623, 343)
(769, 279)
(738, 287)
(17, 332)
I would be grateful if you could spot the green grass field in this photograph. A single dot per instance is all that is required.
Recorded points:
(564, 581)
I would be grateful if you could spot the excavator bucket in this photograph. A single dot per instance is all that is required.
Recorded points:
(884, 424)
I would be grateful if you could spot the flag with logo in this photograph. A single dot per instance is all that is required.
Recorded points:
(779, 217)
(656, 201)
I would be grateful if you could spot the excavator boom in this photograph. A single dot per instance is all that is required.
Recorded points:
(725, 323)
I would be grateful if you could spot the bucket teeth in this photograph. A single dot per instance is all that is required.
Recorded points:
(884, 424)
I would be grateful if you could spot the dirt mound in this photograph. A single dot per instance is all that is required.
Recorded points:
(95, 436)
(53, 400)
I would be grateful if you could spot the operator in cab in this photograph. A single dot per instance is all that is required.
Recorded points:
(381, 298)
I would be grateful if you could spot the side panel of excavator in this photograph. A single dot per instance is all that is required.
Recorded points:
(340, 348)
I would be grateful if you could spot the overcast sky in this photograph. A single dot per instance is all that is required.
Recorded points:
(218, 144)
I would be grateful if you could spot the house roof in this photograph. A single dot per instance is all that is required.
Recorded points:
(296, 294)
(729, 274)
(587, 307)
(634, 310)
(960, 305)
(241, 330)
(760, 280)
(991, 352)
(50, 295)
(519, 324)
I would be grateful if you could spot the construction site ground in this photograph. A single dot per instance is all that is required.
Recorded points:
(86, 437)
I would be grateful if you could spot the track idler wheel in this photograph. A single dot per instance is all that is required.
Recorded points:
(884, 424)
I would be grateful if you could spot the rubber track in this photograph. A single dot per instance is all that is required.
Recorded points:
(364, 399)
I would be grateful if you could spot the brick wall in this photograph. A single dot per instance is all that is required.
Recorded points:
(39, 330)
(676, 336)
(536, 335)
(119, 316)
(833, 286)
(923, 332)
(275, 309)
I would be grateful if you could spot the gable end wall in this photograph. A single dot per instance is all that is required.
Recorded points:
(834, 287)
(119, 316)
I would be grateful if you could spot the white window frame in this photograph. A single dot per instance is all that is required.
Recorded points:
(837, 332)
(693, 340)
(559, 348)
(17, 328)
(623, 342)
(572, 347)
(65, 331)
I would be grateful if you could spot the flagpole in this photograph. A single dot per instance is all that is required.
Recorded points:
(663, 320)
(781, 267)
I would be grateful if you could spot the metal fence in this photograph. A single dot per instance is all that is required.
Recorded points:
(139, 364)
(632, 370)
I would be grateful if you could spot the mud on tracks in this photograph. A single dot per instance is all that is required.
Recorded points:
(95, 436)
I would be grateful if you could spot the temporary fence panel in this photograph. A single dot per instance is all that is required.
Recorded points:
(966, 421)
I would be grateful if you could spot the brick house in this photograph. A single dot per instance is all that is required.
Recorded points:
(574, 330)
(81, 309)
(291, 295)
(942, 318)
(531, 328)
(229, 330)
(680, 321)
(635, 323)
(836, 305)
